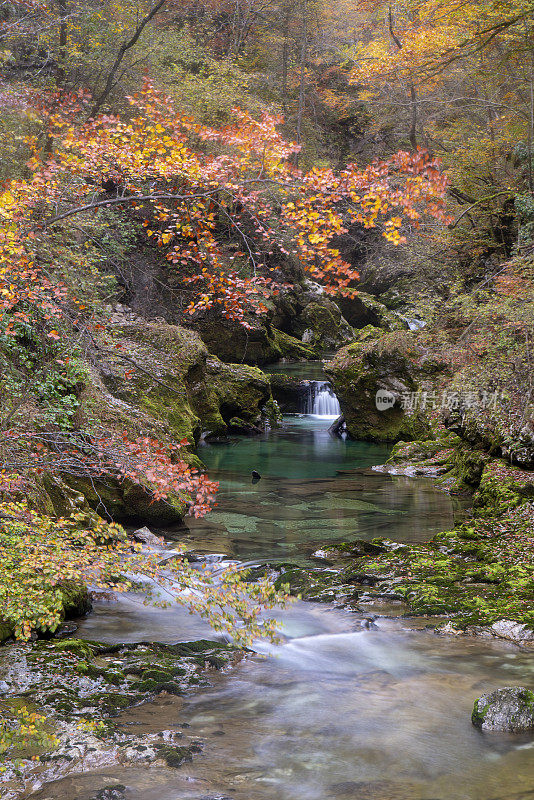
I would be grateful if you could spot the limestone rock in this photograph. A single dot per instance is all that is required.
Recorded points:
(363, 369)
(513, 631)
(508, 709)
(363, 310)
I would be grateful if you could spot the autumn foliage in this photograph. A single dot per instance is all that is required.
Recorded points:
(249, 183)
(41, 559)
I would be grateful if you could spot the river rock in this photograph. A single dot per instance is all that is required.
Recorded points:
(115, 792)
(508, 709)
(513, 631)
(145, 536)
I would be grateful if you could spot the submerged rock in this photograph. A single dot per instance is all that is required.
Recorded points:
(115, 792)
(508, 709)
(517, 632)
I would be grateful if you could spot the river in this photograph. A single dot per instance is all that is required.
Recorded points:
(338, 711)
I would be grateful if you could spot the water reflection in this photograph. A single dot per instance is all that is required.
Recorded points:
(315, 490)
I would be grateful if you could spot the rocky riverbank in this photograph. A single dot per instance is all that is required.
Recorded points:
(60, 702)
(478, 577)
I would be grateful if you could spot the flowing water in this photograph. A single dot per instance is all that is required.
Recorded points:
(338, 711)
(320, 400)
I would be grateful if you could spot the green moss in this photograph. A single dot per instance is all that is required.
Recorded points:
(368, 333)
(111, 702)
(358, 371)
(175, 756)
(157, 675)
(175, 410)
(464, 468)
(80, 647)
(480, 572)
(502, 487)
(326, 325)
(292, 348)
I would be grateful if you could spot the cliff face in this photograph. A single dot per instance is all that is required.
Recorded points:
(434, 384)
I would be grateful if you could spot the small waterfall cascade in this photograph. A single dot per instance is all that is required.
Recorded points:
(320, 400)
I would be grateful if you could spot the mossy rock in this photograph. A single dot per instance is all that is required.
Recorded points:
(508, 709)
(287, 391)
(502, 487)
(176, 756)
(232, 343)
(363, 311)
(129, 502)
(230, 391)
(322, 325)
(80, 647)
(359, 371)
(294, 349)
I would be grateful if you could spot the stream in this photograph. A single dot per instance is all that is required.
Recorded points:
(338, 711)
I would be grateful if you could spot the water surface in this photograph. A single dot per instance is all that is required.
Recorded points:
(338, 713)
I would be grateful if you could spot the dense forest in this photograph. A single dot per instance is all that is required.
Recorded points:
(194, 197)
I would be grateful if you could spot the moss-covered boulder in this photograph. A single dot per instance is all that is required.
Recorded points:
(231, 342)
(363, 310)
(152, 371)
(322, 325)
(395, 365)
(293, 349)
(502, 487)
(228, 392)
(129, 502)
(300, 323)
(508, 709)
(486, 414)
(158, 380)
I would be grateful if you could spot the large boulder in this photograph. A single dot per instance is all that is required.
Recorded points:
(393, 367)
(299, 325)
(232, 342)
(509, 709)
(180, 385)
(288, 391)
(322, 325)
(363, 309)
(229, 392)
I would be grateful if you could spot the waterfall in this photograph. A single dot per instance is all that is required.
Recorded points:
(320, 400)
